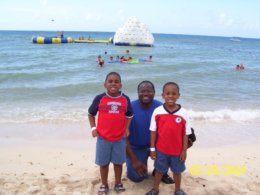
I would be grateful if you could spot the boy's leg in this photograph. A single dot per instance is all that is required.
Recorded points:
(177, 167)
(157, 179)
(104, 174)
(118, 173)
(177, 179)
(156, 182)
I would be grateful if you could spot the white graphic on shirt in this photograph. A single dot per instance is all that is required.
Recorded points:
(178, 120)
(114, 107)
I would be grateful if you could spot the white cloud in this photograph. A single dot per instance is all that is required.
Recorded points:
(44, 3)
(223, 19)
(93, 17)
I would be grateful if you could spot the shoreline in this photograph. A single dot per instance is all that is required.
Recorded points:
(209, 134)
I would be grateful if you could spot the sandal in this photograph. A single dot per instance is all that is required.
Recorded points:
(103, 190)
(152, 192)
(180, 192)
(119, 188)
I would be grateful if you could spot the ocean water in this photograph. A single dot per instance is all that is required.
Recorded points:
(57, 82)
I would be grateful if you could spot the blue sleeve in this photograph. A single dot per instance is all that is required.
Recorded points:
(129, 112)
(93, 109)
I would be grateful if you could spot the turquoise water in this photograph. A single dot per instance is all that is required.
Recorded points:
(53, 83)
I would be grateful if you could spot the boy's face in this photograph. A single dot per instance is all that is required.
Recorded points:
(113, 85)
(171, 95)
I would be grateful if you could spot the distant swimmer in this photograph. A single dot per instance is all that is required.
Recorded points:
(150, 59)
(240, 66)
(100, 61)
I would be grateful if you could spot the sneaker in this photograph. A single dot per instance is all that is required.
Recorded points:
(119, 188)
(180, 192)
(103, 190)
(152, 192)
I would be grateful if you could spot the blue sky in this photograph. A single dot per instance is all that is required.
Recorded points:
(239, 18)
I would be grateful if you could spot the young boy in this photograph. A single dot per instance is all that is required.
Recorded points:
(114, 118)
(169, 129)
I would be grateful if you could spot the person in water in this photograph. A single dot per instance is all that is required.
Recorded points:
(100, 61)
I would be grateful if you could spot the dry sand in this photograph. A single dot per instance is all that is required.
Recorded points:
(64, 166)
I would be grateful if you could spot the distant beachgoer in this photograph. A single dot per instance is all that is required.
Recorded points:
(126, 60)
(127, 52)
(146, 60)
(105, 52)
(100, 61)
(117, 60)
(150, 58)
(240, 66)
(61, 35)
(111, 59)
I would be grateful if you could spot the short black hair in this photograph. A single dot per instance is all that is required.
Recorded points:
(145, 81)
(171, 83)
(113, 73)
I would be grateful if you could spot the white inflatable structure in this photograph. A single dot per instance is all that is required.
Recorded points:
(134, 33)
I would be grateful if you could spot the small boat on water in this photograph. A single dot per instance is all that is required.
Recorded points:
(51, 40)
(234, 39)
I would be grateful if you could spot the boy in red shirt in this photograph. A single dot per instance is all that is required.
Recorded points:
(114, 117)
(169, 129)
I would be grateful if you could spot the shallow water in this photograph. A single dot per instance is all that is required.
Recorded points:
(55, 83)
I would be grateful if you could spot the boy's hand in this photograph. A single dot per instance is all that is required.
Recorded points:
(153, 155)
(127, 132)
(94, 133)
(183, 155)
(190, 143)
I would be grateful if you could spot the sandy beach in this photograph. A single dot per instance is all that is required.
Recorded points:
(52, 162)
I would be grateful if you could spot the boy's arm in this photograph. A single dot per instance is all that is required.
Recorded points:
(128, 122)
(92, 123)
(152, 145)
(184, 147)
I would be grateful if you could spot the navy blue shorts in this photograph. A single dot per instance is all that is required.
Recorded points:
(107, 151)
(163, 162)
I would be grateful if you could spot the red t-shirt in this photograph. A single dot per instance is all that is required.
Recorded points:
(112, 117)
(170, 127)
